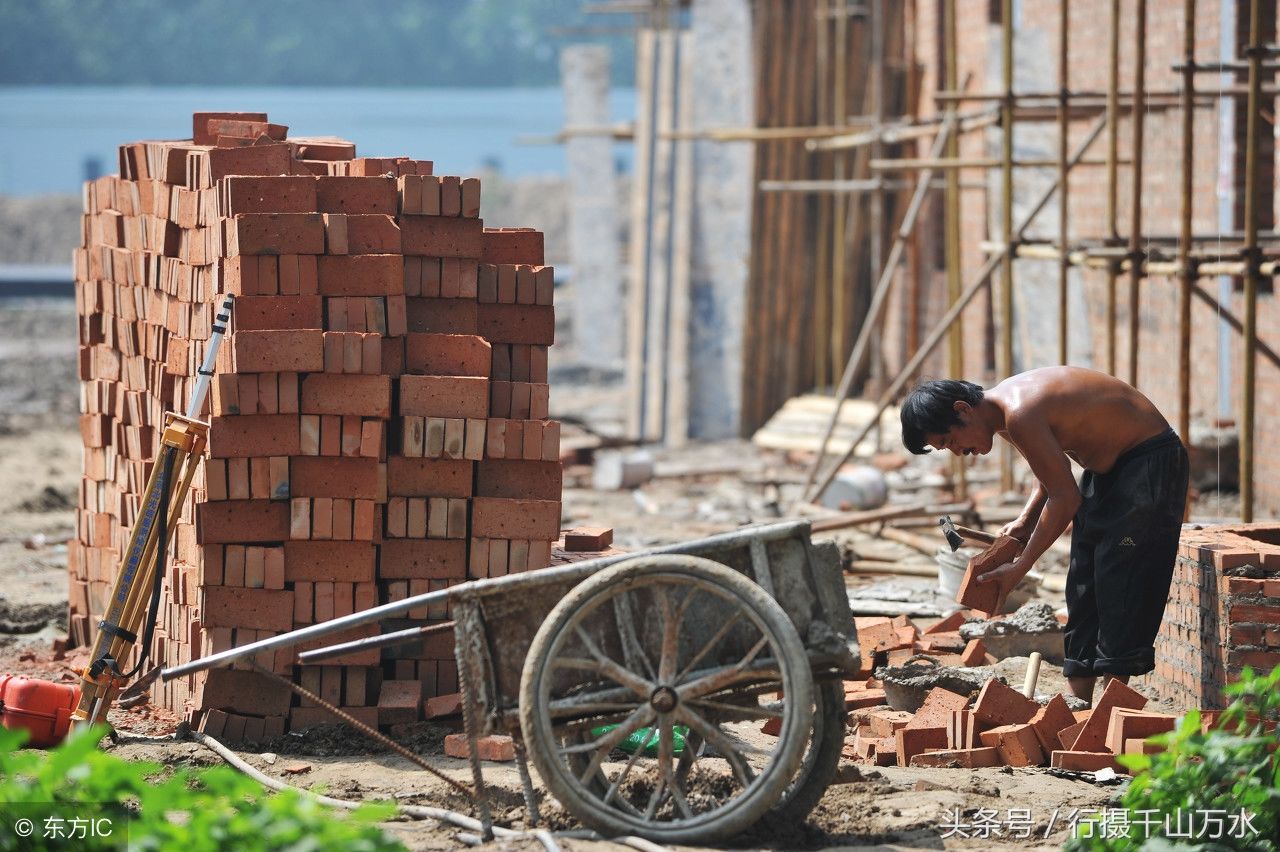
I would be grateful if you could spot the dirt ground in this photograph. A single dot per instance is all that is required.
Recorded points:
(890, 807)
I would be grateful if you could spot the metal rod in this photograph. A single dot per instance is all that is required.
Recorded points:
(399, 637)
(1251, 199)
(1064, 21)
(1188, 276)
(944, 323)
(905, 131)
(1113, 195)
(1167, 96)
(1004, 352)
(1136, 205)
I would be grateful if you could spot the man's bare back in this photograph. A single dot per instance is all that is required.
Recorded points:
(1094, 417)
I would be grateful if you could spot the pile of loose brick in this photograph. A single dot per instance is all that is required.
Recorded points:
(1223, 613)
(1002, 727)
(378, 421)
(996, 726)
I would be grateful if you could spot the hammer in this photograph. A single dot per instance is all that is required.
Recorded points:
(956, 535)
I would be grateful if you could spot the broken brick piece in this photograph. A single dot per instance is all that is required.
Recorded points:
(964, 758)
(444, 705)
(1126, 724)
(1093, 736)
(1049, 720)
(937, 708)
(399, 701)
(588, 539)
(912, 741)
(494, 747)
(1017, 744)
(885, 722)
(1001, 704)
(950, 624)
(986, 597)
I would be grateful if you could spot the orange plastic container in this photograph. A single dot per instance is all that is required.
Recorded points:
(39, 706)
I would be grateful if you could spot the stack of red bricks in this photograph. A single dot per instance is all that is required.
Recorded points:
(1223, 613)
(1001, 727)
(379, 423)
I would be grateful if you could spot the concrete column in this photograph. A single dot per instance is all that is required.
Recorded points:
(597, 272)
(723, 97)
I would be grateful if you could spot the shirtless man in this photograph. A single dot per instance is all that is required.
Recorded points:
(1127, 508)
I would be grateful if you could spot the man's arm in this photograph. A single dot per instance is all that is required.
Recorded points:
(1052, 468)
(1022, 527)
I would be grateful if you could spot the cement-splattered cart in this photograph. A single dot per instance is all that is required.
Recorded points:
(681, 694)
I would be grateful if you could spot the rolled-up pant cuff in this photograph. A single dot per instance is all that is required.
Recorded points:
(1134, 663)
(1078, 668)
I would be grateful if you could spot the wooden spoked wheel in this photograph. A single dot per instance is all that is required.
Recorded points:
(644, 695)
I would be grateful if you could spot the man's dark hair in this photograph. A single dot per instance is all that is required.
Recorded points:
(930, 410)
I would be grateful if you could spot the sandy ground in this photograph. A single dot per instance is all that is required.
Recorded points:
(39, 466)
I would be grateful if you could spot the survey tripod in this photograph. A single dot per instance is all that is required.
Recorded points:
(138, 583)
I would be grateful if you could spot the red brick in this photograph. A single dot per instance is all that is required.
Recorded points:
(441, 236)
(529, 324)
(447, 355)
(910, 741)
(512, 245)
(1126, 724)
(588, 539)
(1093, 736)
(240, 691)
(322, 476)
(937, 708)
(274, 194)
(884, 722)
(329, 561)
(253, 313)
(399, 701)
(254, 436)
(328, 393)
(1017, 744)
(444, 396)
(372, 234)
(361, 275)
(279, 351)
(444, 705)
(974, 653)
(1139, 745)
(442, 316)
(1067, 736)
(1000, 704)
(519, 478)
(1084, 761)
(1049, 720)
(494, 517)
(969, 758)
(200, 134)
(985, 597)
(1271, 588)
(255, 609)
(242, 521)
(276, 234)
(1246, 634)
(1259, 661)
(423, 559)
(496, 747)
(253, 160)
(414, 477)
(357, 195)
(1253, 613)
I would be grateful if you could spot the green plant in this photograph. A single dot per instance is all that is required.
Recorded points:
(213, 809)
(1203, 783)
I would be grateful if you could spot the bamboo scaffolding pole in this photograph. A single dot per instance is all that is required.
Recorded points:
(638, 248)
(970, 163)
(1188, 276)
(875, 215)
(951, 224)
(944, 323)
(1164, 97)
(878, 299)
(822, 281)
(903, 132)
(1254, 55)
(1135, 204)
(1064, 20)
(839, 244)
(1113, 158)
(1004, 353)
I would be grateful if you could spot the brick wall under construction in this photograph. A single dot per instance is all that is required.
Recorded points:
(1223, 614)
(378, 421)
